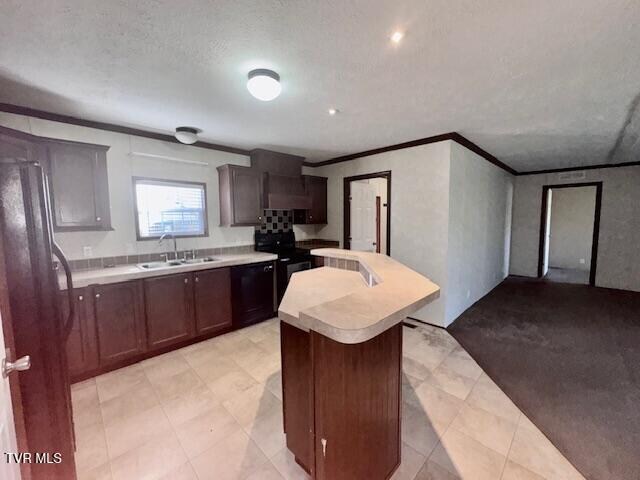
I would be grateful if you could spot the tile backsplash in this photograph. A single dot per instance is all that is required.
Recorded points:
(276, 221)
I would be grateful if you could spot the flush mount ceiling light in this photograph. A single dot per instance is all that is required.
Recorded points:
(187, 135)
(333, 111)
(397, 36)
(264, 84)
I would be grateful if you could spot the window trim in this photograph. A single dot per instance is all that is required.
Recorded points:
(164, 181)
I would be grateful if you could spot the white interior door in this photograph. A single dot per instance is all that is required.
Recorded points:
(8, 443)
(363, 216)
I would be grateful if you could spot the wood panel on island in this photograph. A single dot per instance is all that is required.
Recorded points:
(341, 343)
(117, 324)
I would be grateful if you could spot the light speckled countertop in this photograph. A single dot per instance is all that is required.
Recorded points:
(83, 278)
(341, 305)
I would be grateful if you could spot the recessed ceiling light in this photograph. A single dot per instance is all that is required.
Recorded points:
(187, 135)
(333, 111)
(264, 84)
(397, 36)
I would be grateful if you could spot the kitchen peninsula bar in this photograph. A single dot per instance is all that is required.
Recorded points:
(341, 340)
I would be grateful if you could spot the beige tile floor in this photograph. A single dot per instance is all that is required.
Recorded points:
(213, 410)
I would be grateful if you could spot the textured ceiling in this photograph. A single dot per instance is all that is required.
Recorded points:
(539, 84)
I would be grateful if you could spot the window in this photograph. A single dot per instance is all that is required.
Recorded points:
(164, 206)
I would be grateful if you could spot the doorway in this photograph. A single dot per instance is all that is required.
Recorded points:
(569, 231)
(367, 212)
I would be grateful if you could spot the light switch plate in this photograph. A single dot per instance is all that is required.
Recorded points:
(87, 252)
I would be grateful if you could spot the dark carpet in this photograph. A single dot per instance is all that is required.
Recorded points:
(569, 357)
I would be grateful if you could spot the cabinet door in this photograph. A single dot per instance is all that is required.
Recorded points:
(317, 189)
(79, 187)
(168, 305)
(81, 344)
(247, 196)
(213, 300)
(119, 321)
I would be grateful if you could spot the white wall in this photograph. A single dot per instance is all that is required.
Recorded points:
(619, 239)
(479, 229)
(450, 219)
(121, 167)
(419, 210)
(571, 229)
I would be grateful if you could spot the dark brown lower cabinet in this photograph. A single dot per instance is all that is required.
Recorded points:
(119, 321)
(212, 290)
(82, 341)
(168, 307)
(342, 403)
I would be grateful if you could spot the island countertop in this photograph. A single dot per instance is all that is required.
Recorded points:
(83, 278)
(354, 306)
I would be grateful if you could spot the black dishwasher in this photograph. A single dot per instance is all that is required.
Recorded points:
(252, 293)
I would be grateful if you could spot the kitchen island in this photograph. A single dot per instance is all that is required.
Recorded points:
(341, 341)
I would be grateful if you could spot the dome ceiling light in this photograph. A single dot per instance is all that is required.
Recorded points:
(187, 135)
(264, 84)
(397, 37)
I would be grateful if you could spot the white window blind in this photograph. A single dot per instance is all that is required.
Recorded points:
(170, 207)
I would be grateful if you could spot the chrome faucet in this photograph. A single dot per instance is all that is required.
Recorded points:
(175, 243)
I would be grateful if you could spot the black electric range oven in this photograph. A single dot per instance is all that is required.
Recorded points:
(290, 258)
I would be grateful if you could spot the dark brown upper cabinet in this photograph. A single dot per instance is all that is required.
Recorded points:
(168, 305)
(78, 186)
(212, 300)
(240, 196)
(316, 189)
(119, 317)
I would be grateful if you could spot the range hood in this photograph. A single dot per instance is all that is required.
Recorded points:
(282, 185)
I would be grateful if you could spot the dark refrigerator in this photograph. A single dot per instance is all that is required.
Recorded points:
(32, 320)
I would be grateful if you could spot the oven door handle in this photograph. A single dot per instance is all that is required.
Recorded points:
(285, 259)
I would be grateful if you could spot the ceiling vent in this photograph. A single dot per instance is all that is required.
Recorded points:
(572, 175)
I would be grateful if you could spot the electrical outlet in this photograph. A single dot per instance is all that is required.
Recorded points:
(87, 252)
(582, 261)
(468, 293)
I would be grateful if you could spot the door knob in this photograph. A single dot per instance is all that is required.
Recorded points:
(23, 363)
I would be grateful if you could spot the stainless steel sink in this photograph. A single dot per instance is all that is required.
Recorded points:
(175, 263)
(198, 260)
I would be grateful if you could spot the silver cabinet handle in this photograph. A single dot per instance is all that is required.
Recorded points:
(324, 447)
(80, 297)
(21, 364)
(98, 219)
(97, 295)
(186, 280)
(197, 279)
